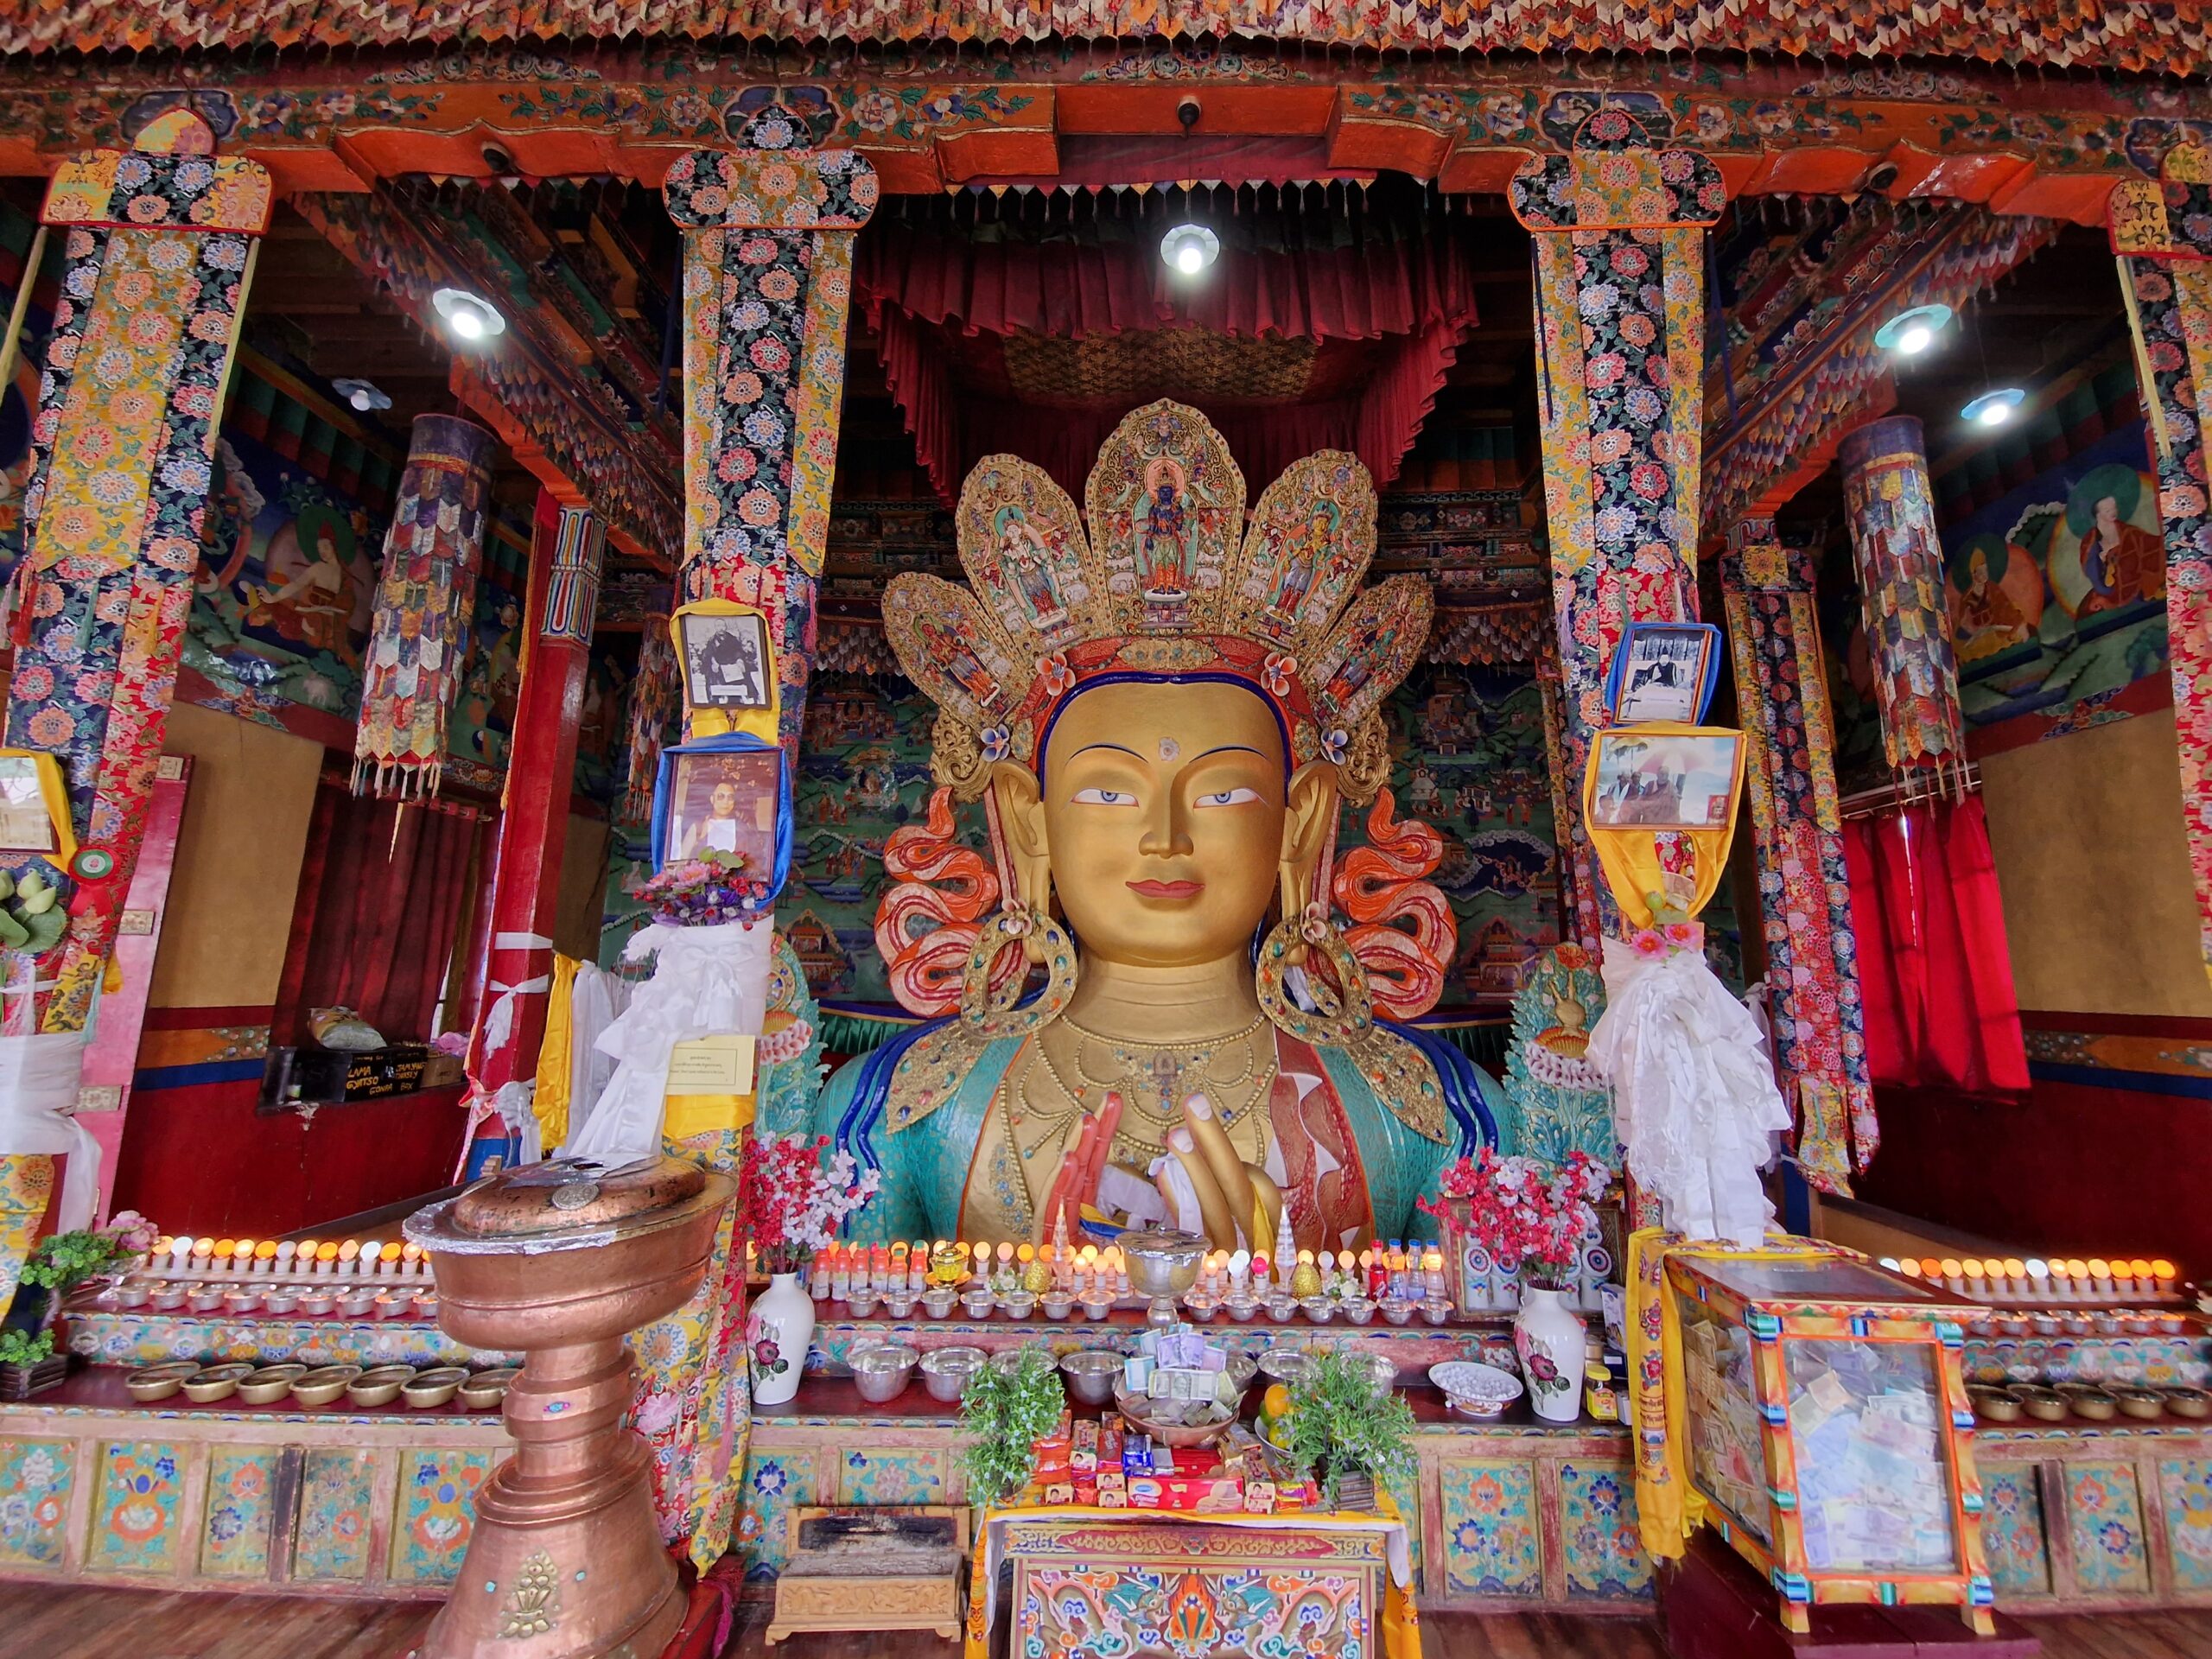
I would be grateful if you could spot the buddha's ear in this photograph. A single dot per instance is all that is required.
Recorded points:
(1309, 813)
(1021, 815)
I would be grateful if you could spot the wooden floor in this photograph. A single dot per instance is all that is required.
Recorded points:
(80, 1623)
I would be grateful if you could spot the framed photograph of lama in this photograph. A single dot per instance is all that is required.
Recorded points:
(1664, 670)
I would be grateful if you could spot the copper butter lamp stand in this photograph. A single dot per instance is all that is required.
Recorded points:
(560, 1261)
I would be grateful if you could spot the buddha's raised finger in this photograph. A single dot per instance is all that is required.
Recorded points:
(1228, 1171)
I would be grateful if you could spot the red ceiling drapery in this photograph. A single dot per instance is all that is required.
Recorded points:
(927, 296)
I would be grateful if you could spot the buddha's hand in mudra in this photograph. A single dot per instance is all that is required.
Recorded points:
(1202, 1179)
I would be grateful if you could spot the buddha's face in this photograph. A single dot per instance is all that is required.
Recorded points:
(1165, 816)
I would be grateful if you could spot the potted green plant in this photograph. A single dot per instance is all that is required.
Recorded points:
(31, 1359)
(1349, 1430)
(1004, 1411)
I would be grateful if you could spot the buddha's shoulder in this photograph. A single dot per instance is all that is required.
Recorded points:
(934, 1068)
(1401, 1074)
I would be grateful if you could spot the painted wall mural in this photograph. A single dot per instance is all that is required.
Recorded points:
(2057, 593)
(280, 609)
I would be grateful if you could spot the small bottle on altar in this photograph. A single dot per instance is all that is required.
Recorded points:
(1432, 1266)
(918, 1268)
(840, 1274)
(879, 1267)
(817, 1276)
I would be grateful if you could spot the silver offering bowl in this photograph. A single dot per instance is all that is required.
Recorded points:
(1163, 1263)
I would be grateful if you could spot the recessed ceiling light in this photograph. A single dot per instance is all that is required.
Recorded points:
(1994, 408)
(470, 317)
(1910, 332)
(1189, 249)
(364, 395)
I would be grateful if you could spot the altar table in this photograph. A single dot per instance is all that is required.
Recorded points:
(1132, 1584)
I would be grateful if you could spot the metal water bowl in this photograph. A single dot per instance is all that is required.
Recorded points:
(1163, 1262)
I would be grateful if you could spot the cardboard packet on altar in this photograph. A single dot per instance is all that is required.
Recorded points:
(1203, 1494)
(1112, 1480)
(1086, 1435)
(1083, 1460)
(1144, 1492)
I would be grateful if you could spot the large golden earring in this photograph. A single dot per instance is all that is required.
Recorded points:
(1339, 1015)
(1044, 940)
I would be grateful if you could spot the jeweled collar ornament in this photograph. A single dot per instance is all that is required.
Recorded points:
(1169, 581)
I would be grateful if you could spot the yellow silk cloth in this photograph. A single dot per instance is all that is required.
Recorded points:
(1668, 1508)
(1401, 1620)
(26, 1186)
(548, 1100)
(1629, 855)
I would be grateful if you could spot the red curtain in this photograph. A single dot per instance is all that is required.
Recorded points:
(388, 911)
(1415, 297)
(1935, 968)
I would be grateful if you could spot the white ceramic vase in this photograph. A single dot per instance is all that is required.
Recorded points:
(778, 1329)
(1548, 1336)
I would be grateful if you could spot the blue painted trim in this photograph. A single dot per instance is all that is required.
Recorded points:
(1463, 1088)
(2141, 1083)
(203, 1071)
(856, 1130)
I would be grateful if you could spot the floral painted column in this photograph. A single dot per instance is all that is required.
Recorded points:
(767, 287)
(1891, 511)
(2162, 231)
(1619, 226)
(1804, 893)
(158, 244)
(768, 282)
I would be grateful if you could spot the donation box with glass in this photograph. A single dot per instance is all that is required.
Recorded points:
(1830, 1431)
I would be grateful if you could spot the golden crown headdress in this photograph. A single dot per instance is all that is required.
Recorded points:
(1169, 581)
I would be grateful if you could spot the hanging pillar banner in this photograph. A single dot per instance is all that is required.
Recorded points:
(767, 290)
(1812, 955)
(1891, 511)
(2161, 231)
(1618, 227)
(425, 593)
(158, 244)
(767, 285)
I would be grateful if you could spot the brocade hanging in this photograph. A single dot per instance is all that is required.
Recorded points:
(418, 635)
(1812, 958)
(656, 699)
(2163, 232)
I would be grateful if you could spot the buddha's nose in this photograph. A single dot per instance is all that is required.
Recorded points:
(1167, 835)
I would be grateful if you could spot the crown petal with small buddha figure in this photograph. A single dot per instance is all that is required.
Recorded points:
(1168, 579)
(1163, 574)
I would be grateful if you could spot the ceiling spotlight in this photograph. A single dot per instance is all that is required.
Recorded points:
(1910, 332)
(472, 318)
(1994, 408)
(1189, 249)
(364, 395)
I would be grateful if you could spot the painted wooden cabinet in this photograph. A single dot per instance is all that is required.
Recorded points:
(366, 1504)
(2106, 1518)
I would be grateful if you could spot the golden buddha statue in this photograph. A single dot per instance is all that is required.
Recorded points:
(1163, 716)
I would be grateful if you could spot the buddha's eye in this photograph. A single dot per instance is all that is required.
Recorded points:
(1104, 798)
(1239, 796)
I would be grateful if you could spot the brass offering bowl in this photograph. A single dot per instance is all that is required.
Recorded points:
(159, 1381)
(214, 1382)
(269, 1384)
(560, 1261)
(1163, 1262)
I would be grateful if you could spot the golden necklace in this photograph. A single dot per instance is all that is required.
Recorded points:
(1155, 1091)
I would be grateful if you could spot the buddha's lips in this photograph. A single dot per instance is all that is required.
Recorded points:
(1167, 889)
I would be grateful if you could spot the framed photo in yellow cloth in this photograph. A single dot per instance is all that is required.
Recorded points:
(1659, 801)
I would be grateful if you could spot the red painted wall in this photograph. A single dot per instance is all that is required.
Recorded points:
(2080, 1169)
(198, 1159)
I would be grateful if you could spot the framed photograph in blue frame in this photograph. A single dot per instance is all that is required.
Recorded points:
(729, 795)
(1664, 672)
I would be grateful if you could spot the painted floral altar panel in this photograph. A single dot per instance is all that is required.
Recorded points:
(2012, 1529)
(2104, 1512)
(1092, 1590)
(1490, 1543)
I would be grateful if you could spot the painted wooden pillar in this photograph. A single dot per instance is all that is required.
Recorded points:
(541, 773)
(1618, 226)
(767, 282)
(1804, 892)
(2162, 231)
(158, 245)
(1891, 511)
(768, 286)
